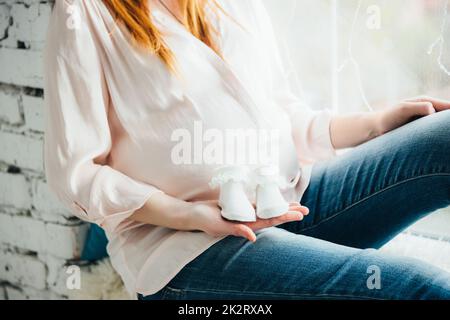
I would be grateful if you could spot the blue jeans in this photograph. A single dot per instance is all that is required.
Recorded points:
(358, 202)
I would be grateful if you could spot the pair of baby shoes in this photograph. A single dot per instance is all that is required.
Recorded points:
(233, 201)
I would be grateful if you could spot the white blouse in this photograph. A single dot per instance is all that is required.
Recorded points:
(112, 108)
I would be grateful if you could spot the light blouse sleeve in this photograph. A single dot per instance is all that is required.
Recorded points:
(77, 135)
(310, 129)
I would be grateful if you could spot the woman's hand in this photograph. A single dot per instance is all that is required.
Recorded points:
(407, 111)
(166, 211)
(351, 130)
(205, 216)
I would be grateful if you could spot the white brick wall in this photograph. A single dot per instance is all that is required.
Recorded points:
(38, 236)
(21, 67)
(23, 270)
(10, 110)
(14, 191)
(33, 108)
(22, 150)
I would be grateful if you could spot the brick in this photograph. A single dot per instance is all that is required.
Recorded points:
(21, 27)
(40, 26)
(29, 25)
(56, 275)
(22, 151)
(9, 107)
(4, 20)
(14, 191)
(31, 2)
(47, 206)
(27, 233)
(65, 241)
(22, 270)
(33, 108)
(21, 67)
(28, 293)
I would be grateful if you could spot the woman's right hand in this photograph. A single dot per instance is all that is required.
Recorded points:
(206, 217)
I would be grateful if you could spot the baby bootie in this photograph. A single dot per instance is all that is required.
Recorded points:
(232, 199)
(269, 201)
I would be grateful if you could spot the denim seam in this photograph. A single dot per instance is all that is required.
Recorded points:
(264, 293)
(372, 195)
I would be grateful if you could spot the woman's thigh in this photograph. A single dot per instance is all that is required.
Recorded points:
(283, 265)
(368, 195)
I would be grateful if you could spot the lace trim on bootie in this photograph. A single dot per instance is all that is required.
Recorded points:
(225, 174)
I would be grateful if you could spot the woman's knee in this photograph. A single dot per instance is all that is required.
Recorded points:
(434, 130)
(426, 140)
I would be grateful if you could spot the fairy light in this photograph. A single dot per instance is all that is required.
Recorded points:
(440, 41)
(292, 75)
(334, 33)
(351, 58)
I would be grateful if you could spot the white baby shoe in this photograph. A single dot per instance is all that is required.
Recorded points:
(232, 199)
(269, 201)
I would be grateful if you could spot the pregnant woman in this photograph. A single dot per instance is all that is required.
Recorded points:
(122, 75)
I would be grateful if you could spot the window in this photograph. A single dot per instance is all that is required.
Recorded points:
(353, 55)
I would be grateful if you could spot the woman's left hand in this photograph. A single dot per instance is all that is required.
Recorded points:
(407, 111)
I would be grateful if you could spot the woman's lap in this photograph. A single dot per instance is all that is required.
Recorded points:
(361, 199)
(284, 265)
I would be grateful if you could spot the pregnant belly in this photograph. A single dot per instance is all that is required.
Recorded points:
(183, 163)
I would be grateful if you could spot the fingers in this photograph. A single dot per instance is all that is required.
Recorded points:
(288, 217)
(295, 206)
(241, 230)
(419, 108)
(438, 104)
(266, 223)
(246, 230)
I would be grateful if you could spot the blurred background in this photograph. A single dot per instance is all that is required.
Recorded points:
(350, 55)
(346, 55)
